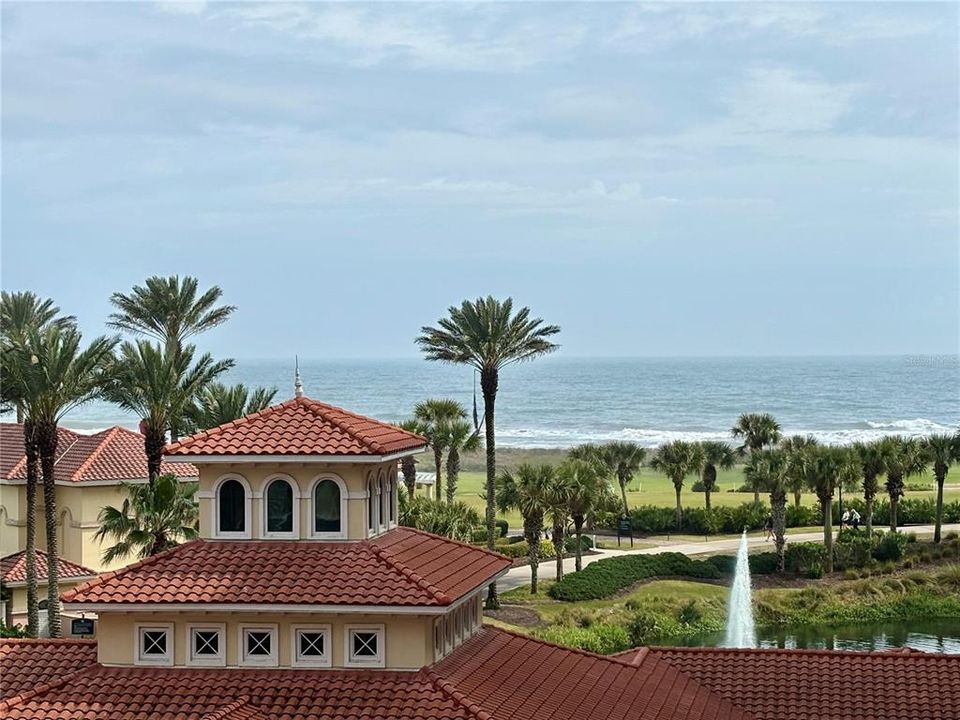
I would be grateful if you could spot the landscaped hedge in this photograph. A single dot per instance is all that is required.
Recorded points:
(521, 550)
(610, 575)
(764, 563)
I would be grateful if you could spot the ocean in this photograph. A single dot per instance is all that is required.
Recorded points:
(558, 402)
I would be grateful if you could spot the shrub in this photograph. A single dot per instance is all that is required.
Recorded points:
(851, 575)
(503, 527)
(570, 543)
(598, 638)
(890, 547)
(698, 486)
(911, 537)
(606, 577)
(805, 559)
(521, 550)
(12, 631)
(764, 563)
(888, 567)
(453, 520)
(952, 535)
(852, 550)
(689, 613)
(642, 626)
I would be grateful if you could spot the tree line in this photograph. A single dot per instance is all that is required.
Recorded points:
(149, 368)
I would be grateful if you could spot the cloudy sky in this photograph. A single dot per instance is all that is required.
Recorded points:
(682, 179)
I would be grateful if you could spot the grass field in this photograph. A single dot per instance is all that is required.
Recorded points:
(648, 487)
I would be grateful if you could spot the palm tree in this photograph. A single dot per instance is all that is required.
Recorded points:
(796, 447)
(153, 518)
(168, 309)
(217, 404)
(408, 465)
(456, 520)
(21, 313)
(941, 451)
(714, 455)
(902, 458)
(824, 472)
(757, 430)
(158, 384)
(525, 490)
(487, 335)
(558, 491)
(767, 469)
(435, 414)
(872, 465)
(624, 458)
(56, 376)
(588, 490)
(461, 438)
(676, 460)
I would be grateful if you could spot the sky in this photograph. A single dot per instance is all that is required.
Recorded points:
(662, 179)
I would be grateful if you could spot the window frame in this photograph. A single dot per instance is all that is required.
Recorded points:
(394, 518)
(296, 660)
(153, 660)
(244, 660)
(293, 534)
(383, 501)
(313, 533)
(349, 660)
(373, 506)
(220, 660)
(247, 532)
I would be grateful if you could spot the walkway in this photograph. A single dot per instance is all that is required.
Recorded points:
(520, 576)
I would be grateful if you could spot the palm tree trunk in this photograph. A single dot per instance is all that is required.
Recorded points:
(531, 532)
(778, 509)
(709, 479)
(894, 500)
(453, 472)
(33, 470)
(868, 511)
(558, 548)
(488, 384)
(438, 464)
(623, 494)
(409, 469)
(756, 496)
(578, 534)
(828, 533)
(154, 440)
(679, 508)
(47, 441)
(796, 498)
(941, 474)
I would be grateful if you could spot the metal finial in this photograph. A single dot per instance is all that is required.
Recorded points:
(297, 383)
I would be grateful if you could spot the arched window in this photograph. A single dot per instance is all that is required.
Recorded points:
(280, 507)
(231, 507)
(395, 488)
(373, 504)
(385, 495)
(326, 507)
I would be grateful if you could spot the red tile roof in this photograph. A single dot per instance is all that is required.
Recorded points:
(28, 664)
(514, 677)
(300, 427)
(114, 454)
(402, 567)
(775, 684)
(13, 568)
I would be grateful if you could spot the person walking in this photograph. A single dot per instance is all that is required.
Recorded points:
(769, 527)
(855, 519)
(845, 519)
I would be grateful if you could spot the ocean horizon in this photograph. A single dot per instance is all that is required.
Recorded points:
(558, 402)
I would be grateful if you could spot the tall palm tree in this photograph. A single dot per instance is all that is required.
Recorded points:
(525, 490)
(872, 465)
(487, 335)
(795, 447)
(624, 459)
(902, 458)
(715, 455)
(153, 518)
(435, 414)
(169, 310)
(21, 313)
(408, 465)
(158, 384)
(218, 403)
(941, 451)
(823, 474)
(757, 431)
(676, 460)
(461, 438)
(558, 491)
(767, 469)
(57, 377)
(588, 490)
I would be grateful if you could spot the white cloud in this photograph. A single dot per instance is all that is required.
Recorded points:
(182, 7)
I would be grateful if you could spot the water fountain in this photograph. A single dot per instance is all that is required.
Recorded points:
(740, 630)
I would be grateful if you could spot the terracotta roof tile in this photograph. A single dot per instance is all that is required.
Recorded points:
(513, 677)
(775, 684)
(13, 568)
(29, 664)
(114, 454)
(300, 427)
(403, 567)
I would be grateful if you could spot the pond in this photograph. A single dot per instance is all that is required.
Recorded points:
(932, 635)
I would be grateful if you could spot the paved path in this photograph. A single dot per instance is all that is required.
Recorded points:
(519, 576)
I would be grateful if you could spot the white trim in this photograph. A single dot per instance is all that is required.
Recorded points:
(344, 508)
(303, 459)
(247, 509)
(293, 534)
(257, 661)
(348, 658)
(152, 661)
(324, 661)
(219, 660)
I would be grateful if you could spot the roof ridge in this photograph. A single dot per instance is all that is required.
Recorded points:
(897, 652)
(100, 579)
(63, 454)
(221, 712)
(187, 441)
(461, 543)
(450, 690)
(108, 434)
(47, 641)
(23, 697)
(319, 409)
(439, 595)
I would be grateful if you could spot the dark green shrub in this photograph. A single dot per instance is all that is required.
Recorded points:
(570, 543)
(851, 550)
(599, 638)
(642, 626)
(689, 613)
(764, 563)
(725, 564)
(503, 527)
(805, 559)
(802, 516)
(699, 487)
(890, 547)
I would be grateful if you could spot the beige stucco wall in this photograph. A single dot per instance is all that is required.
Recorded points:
(77, 509)
(407, 643)
(256, 477)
